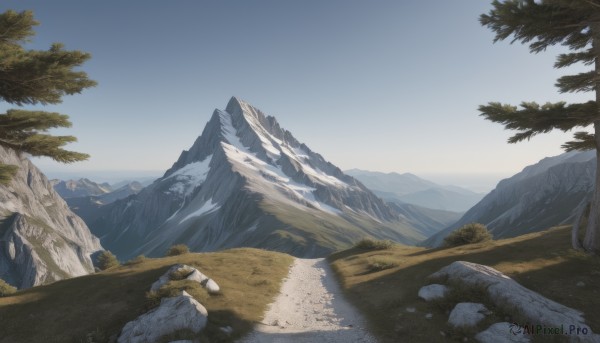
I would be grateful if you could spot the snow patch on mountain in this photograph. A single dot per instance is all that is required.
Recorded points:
(268, 175)
(208, 207)
(190, 176)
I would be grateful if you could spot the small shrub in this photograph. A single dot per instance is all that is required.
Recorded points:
(178, 249)
(137, 260)
(381, 263)
(6, 289)
(468, 234)
(179, 274)
(374, 244)
(107, 260)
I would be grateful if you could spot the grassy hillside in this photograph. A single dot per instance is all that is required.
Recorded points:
(543, 262)
(95, 307)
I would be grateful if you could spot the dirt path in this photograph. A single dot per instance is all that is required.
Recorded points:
(310, 308)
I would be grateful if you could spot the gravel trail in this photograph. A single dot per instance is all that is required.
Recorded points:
(310, 308)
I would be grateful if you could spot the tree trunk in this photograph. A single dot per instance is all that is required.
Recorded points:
(591, 241)
(581, 219)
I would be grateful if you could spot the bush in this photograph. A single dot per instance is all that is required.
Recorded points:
(468, 234)
(137, 260)
(107, 260)
(381, 263)
(373, 244)
(6, 289)
(178, 249)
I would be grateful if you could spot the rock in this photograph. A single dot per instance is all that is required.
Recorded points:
(194, 275)
(467, 314)
(211, 286)
(501, 333)
(227, 329)
(432, 292)
(504, 292)
(166, 277)
(411, 309)
(580, 284)
(41, 240)
(208, 283)
(173, 314)
(429, 316)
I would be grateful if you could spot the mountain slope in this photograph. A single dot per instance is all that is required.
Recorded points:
(546, 194)
(247, 182)
(41, 240)
(409, 188)
(428, 221)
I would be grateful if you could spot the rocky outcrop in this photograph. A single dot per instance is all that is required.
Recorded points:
(173, 314)
(41, 240)
(504, 292)
(188, 273)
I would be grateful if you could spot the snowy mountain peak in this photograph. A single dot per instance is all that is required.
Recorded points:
(245, 171)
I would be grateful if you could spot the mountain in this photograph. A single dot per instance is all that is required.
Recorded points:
(429, 221)
(79, 188)
(247, 182)
(41, 240)
(543, 195)
(89, 207)
(409, 188)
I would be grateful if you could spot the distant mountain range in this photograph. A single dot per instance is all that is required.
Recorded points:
(411, 189)
(248, 182)
(86, 197)
(546, 194)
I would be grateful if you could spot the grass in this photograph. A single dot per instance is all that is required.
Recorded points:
(94, 308)
(543, 262)
(373, 244)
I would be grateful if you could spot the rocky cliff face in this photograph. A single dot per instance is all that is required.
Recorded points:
(543, 195)
(41, 240)
(248, 182)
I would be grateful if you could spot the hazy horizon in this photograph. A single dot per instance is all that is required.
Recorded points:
(476, 182)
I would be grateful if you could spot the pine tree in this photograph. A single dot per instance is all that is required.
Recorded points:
(29, 77)
(540, 24)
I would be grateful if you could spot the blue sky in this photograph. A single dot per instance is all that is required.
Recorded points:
(377, 85)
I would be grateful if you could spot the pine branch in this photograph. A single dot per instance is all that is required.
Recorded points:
(534, 119)
(583, 141)
(541, 24)
(21, 120)
(564, 60)
(16, 27)
(31, 77)
(50, 146)
(582, 82)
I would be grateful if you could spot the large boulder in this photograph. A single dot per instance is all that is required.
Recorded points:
(432, 292)
(467, 315)
(173, 314)
(502, 333)
(504, 292)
